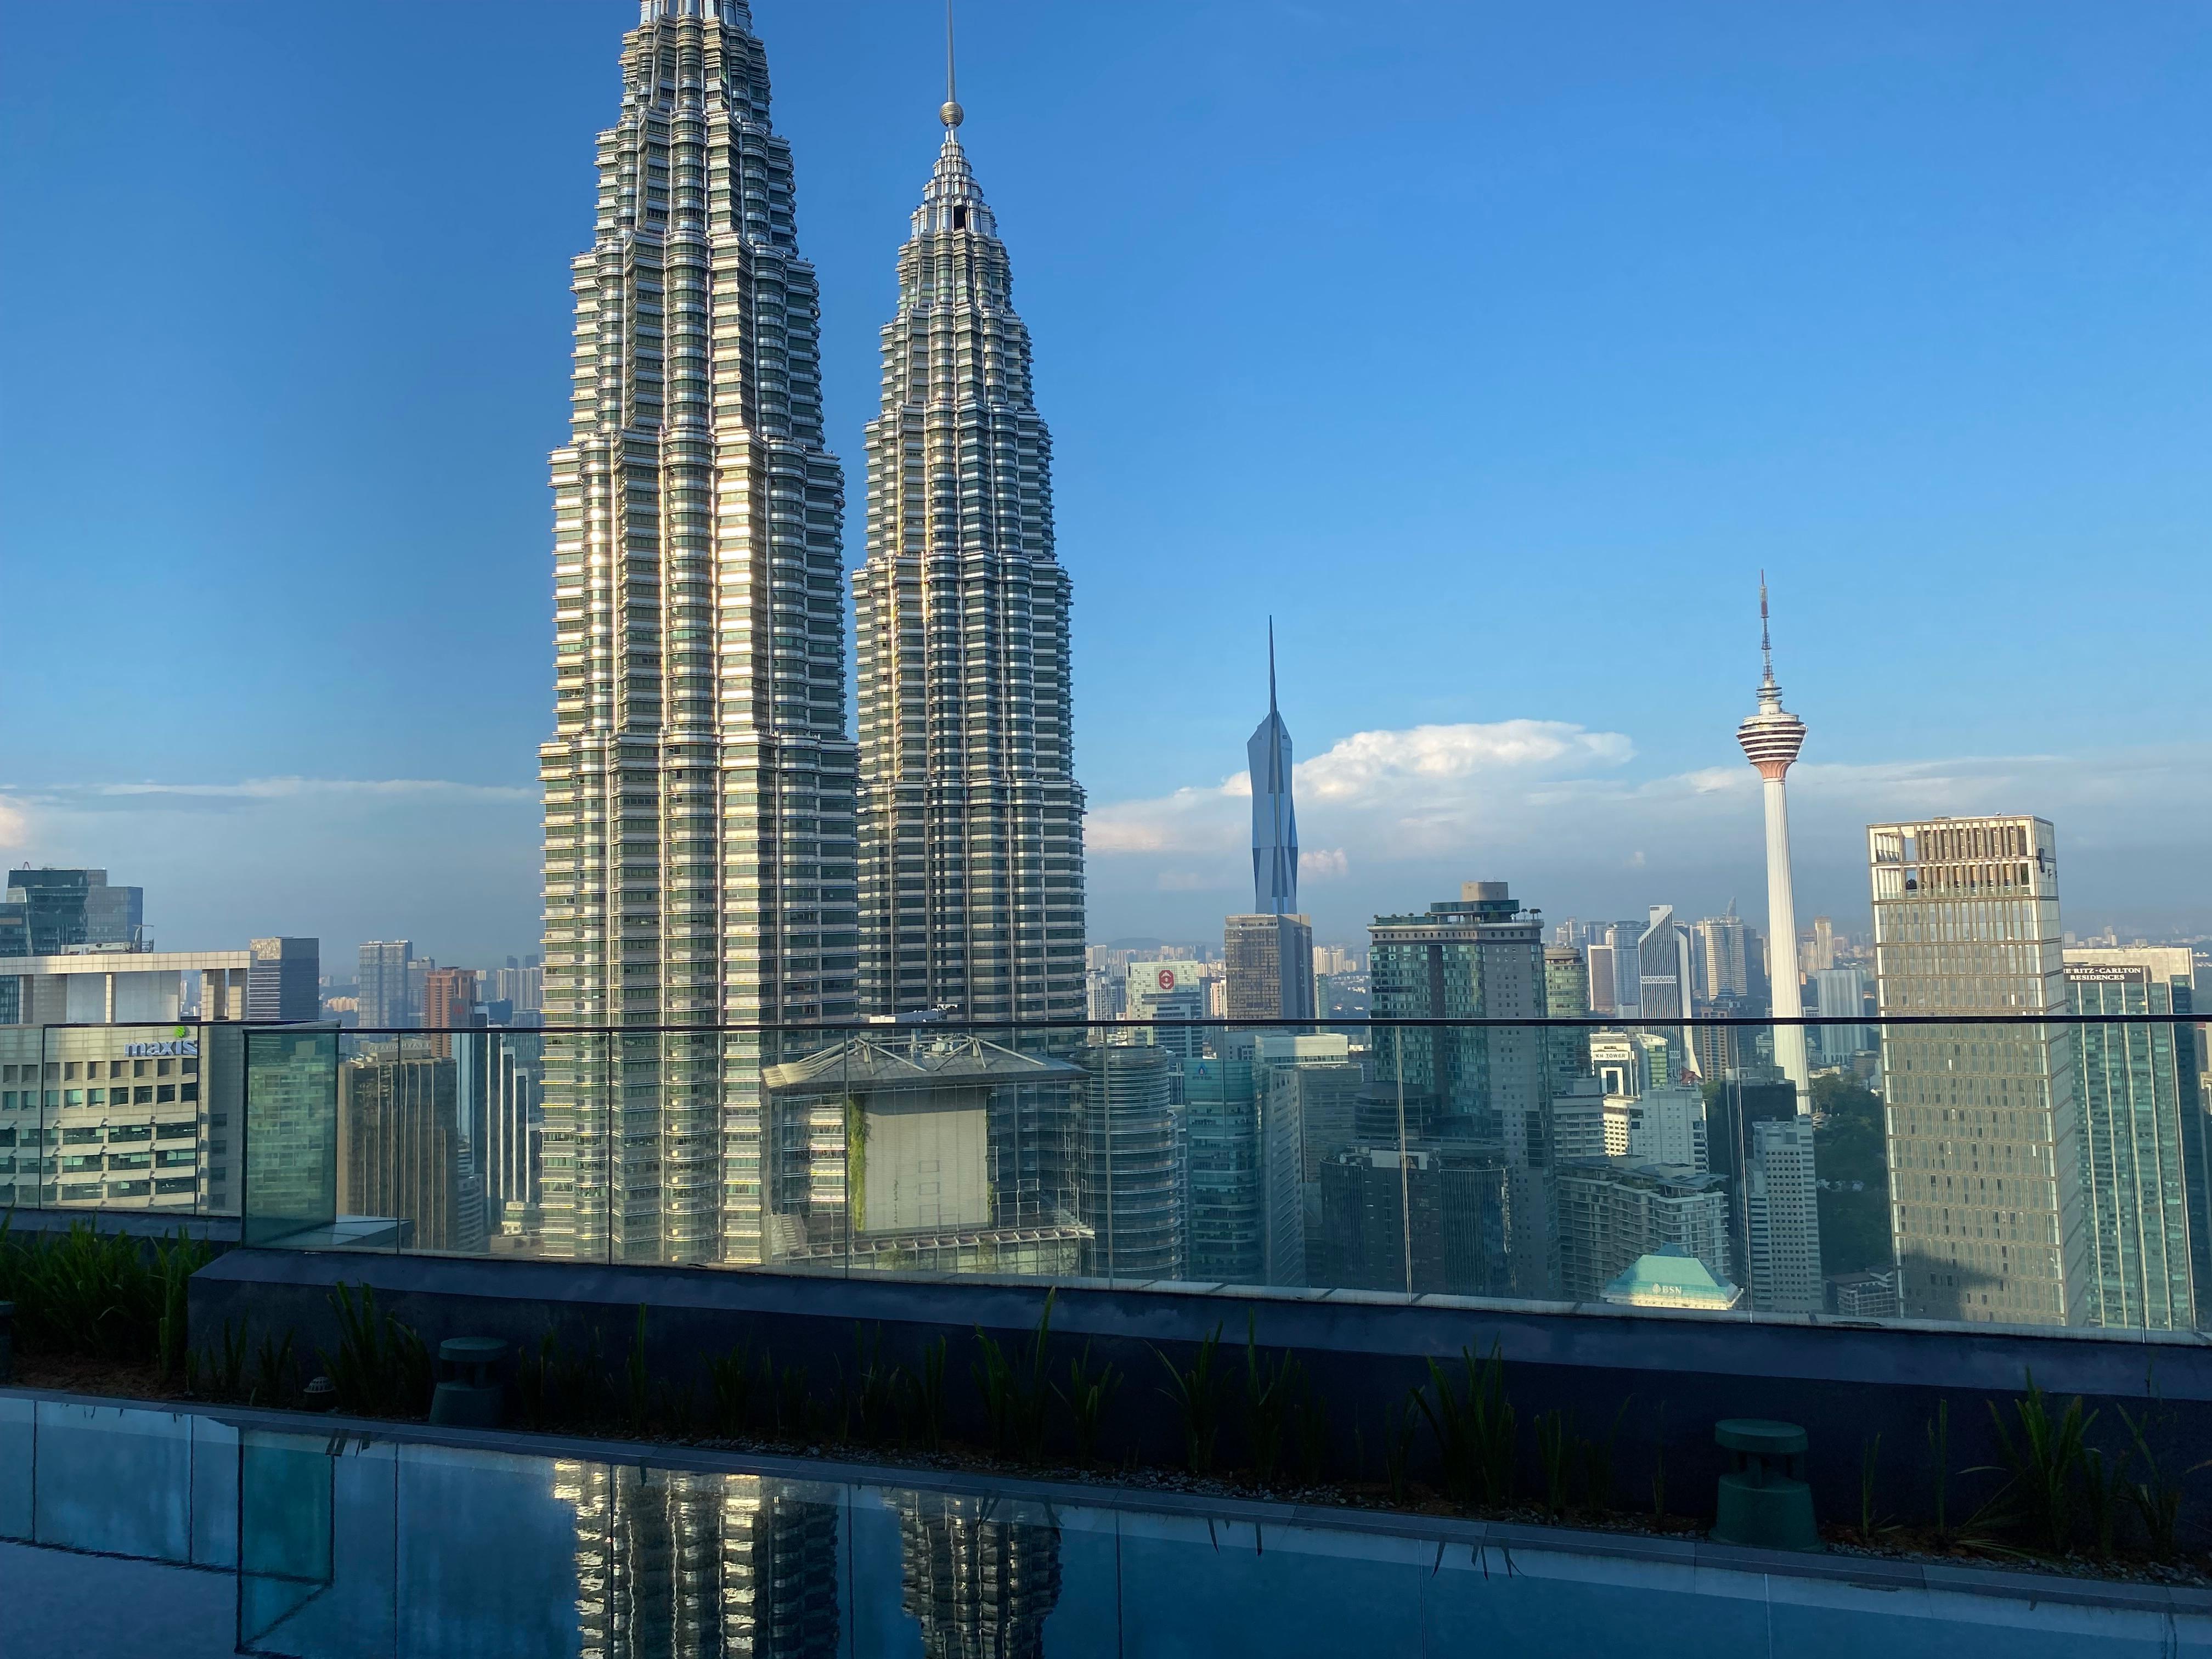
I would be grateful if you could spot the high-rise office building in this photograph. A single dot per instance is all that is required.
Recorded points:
(1612, 1211)
(1771, 739)
(1225, 1227)
(1615, 974)
(1480, 956)
(2144, 1139)
(1268, 962)
(1582, 1117)
(1988, 1213)
(402, 1150)
(1840, 992)
(1275, 819)
(972, 820)
(1736, 1114)
(1566, 996)
(1781, 1219)
(1451, 1200)
(285, 981)
(64, 910)
(1723, 947)
(1824, 945)
(1130, 1190)
(1171, 993)
(1663, 961)
(449, 1004)
(1629, 1062)
(1667, 1124)
(699, 784)
(382, 983)
(1309, 1088)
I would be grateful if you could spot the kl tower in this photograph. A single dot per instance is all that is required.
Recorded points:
(1770, 741)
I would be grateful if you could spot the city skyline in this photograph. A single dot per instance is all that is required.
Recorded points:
(1566, 796)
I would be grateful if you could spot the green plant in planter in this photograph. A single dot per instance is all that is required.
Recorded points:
(738, 1389)
(868, 1403)
(1086, 1396)
(381, 1367)
(1596, 1457)
(1271, 1389)
(637, 1390)
(1014, 1386)
(1556, 1443)
(1870, 1525)
(1939, 1461)
(2103, 1485)
(1474, 1429)
(2156, 1496)
(921, 1399)
(2042, 1459)
(101, 1296)
(276, 1378)
(222, 1375)
(1309, 1434)
(534, 1370)
(794, 1403)
(1398, 1428)
(1197, 1396)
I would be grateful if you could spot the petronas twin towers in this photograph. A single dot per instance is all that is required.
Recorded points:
(718, 852)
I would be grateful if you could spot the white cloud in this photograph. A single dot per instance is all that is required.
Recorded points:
(205, 797)
(1563, 812)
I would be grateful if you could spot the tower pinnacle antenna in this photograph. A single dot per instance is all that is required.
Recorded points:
(950, 113)
(1766, 638)
(1271, 664)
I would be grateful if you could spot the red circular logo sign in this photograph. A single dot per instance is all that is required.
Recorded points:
(1166, 979)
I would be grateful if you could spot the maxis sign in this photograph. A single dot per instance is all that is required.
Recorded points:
(178, 1048)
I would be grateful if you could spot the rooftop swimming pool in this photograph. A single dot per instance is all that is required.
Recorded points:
(139, 1531)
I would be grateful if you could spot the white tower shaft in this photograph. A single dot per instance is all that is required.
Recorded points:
(1782, 934)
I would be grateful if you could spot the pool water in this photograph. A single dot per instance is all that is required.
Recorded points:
(157, 1533)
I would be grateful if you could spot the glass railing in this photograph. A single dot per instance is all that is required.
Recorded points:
(1994, 1170)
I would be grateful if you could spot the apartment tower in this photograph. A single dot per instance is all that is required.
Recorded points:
(699, 786)
(972, 820)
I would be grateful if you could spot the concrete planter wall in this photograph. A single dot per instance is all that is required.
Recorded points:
(1664, 1379)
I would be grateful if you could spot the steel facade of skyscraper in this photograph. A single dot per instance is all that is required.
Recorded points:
(972, 820)
(1987, 1210)
(699, 786)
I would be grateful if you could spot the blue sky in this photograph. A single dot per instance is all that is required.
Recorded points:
(1492, 350)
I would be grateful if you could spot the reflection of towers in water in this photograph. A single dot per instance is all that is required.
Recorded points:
(981, 1576)
(673, 1565)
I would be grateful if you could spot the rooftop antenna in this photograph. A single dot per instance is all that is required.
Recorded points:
(951, 113)
(1271, 664)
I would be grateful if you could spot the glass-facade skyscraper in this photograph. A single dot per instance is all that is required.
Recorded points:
(1478, 955)
(2144, 1135)
(699, 785)
(972, 820)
